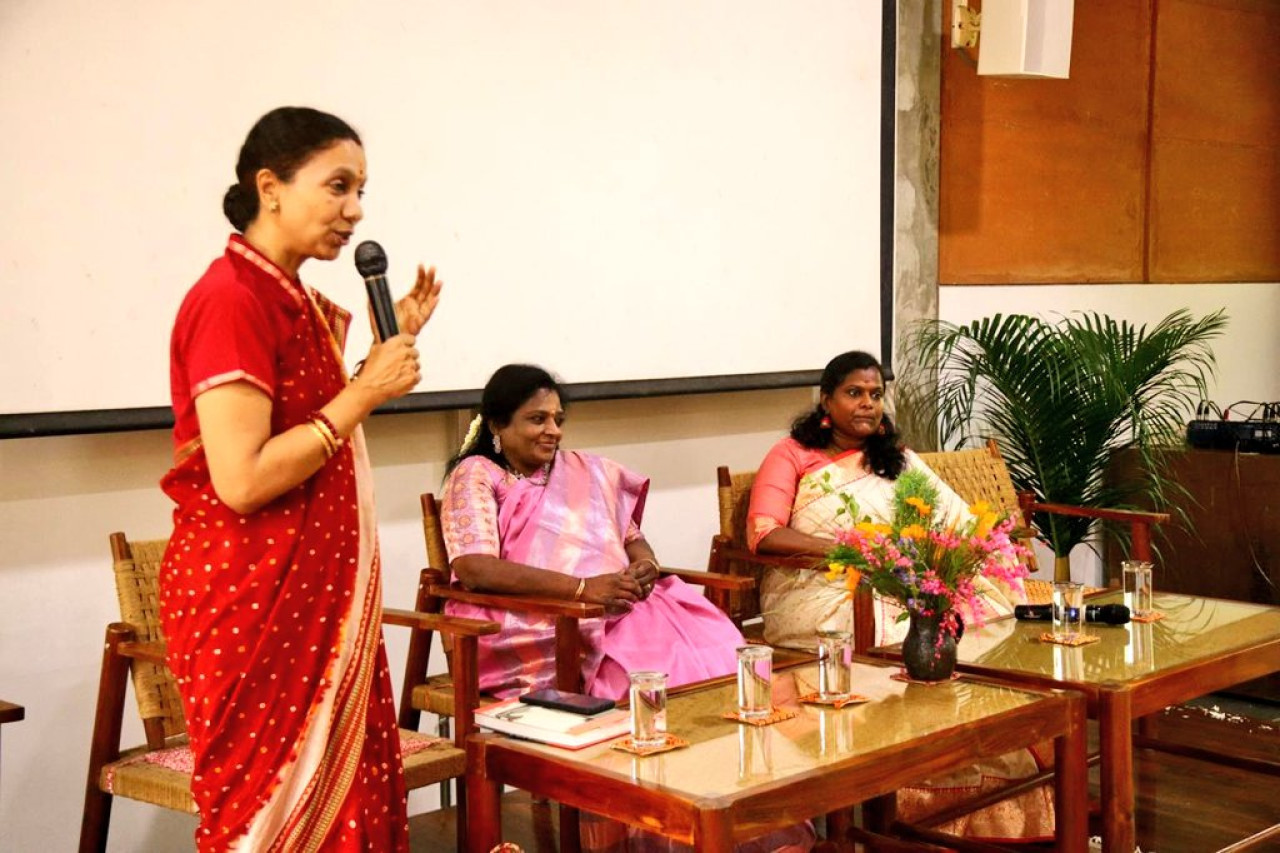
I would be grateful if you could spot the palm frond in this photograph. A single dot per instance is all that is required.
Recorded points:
(1060, 398)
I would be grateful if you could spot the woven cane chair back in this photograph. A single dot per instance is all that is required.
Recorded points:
(733, 492)
(977, 475)
(137, 569)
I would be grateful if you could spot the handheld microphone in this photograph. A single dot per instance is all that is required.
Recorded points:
(371, 263)
(1107, 614)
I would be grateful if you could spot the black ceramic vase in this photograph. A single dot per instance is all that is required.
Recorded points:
(928, 652)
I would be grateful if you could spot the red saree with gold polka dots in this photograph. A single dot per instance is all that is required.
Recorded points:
(273, 618)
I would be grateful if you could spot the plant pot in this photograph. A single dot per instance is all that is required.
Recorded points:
(928, 652)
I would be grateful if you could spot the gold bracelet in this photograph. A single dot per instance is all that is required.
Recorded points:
(651, 562)
(325, 442)
(582, 586)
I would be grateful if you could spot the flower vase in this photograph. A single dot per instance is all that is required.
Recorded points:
(928, 651)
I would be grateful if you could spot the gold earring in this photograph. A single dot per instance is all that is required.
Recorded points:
(274, 207)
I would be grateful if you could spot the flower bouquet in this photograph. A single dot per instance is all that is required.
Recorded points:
(930, 564)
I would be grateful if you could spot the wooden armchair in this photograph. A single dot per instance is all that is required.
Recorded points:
(975, 475)
(730, 555)
(436, 694)
(154, 772)
(981, 475)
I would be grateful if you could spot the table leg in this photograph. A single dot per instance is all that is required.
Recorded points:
(1115, 734)
(880, 812)
(483, 802)
(713, 833)
(1071, 784)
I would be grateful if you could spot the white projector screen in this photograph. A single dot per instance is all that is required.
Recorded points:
(629, 190)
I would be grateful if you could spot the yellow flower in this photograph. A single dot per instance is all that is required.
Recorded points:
(921, 507)
(834, 571)
(980, 509)
(870, 528)
(913, 531)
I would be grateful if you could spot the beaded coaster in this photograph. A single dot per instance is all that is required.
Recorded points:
(1153, 616)
(901, 675)
(1073, 640)
(777, 716)
(671, 742)
(836, 702)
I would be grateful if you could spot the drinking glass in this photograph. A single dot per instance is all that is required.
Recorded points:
(755, 681)
(835, 664)
(1137, 586)
(1068, 610)
(648, 708)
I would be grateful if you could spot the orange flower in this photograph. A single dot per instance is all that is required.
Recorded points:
(921, 507)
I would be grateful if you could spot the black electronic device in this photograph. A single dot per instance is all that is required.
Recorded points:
(574, 703)
(1107, 614)
(371, 263)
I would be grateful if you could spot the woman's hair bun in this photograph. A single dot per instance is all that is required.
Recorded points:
(239, 206)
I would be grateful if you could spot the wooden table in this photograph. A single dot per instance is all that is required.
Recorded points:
(1201, 646)
(736, 782)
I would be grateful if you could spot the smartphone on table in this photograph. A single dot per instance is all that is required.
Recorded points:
(574, 703)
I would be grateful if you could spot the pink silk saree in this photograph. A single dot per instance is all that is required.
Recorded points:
(578, 520)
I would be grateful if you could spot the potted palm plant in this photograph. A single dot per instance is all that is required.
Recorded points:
(1061, 397)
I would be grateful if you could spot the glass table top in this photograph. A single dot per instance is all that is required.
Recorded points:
(1193, 629)
(726, 756)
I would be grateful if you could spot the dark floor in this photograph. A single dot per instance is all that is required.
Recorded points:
(1184, 805)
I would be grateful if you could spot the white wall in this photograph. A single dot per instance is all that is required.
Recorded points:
(1247, 353)
(61, 497)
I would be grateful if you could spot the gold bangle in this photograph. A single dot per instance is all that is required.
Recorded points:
(325, 442)
(582, 586)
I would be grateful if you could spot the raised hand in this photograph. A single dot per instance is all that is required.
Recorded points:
(414, 310)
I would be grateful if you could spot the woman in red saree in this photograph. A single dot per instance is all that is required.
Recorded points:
(270, 590)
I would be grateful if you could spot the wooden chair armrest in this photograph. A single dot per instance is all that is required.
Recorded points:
(733, 552)
(1122, 515)
(456, 625)
(149, 652)
(522, 603)
(717, 580)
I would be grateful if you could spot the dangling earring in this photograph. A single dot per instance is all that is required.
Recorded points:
(825, 423)
(881, 430)
(497, 444)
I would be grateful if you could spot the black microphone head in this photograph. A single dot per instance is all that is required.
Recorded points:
(1111, 614)
(370, 259)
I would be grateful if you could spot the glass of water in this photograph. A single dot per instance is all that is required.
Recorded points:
(835, 664)
(1068, 610)
(648, 708)
(755, 681)
(1137, 586)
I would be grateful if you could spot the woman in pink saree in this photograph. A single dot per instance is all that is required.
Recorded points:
(847, 444)
(521, 515)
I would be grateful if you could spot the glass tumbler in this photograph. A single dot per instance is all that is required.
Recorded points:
(1068, 610)
(648, 708)
(755, 681)
(835, 664)
(1137, 586)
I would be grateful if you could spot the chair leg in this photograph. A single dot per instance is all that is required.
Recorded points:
(446, 787)
(107, 721)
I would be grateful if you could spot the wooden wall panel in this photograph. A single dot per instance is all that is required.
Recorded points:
(1158, 161)
(1044, 180)
(1215, 163)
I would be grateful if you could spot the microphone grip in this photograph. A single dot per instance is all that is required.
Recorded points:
(384, 310)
